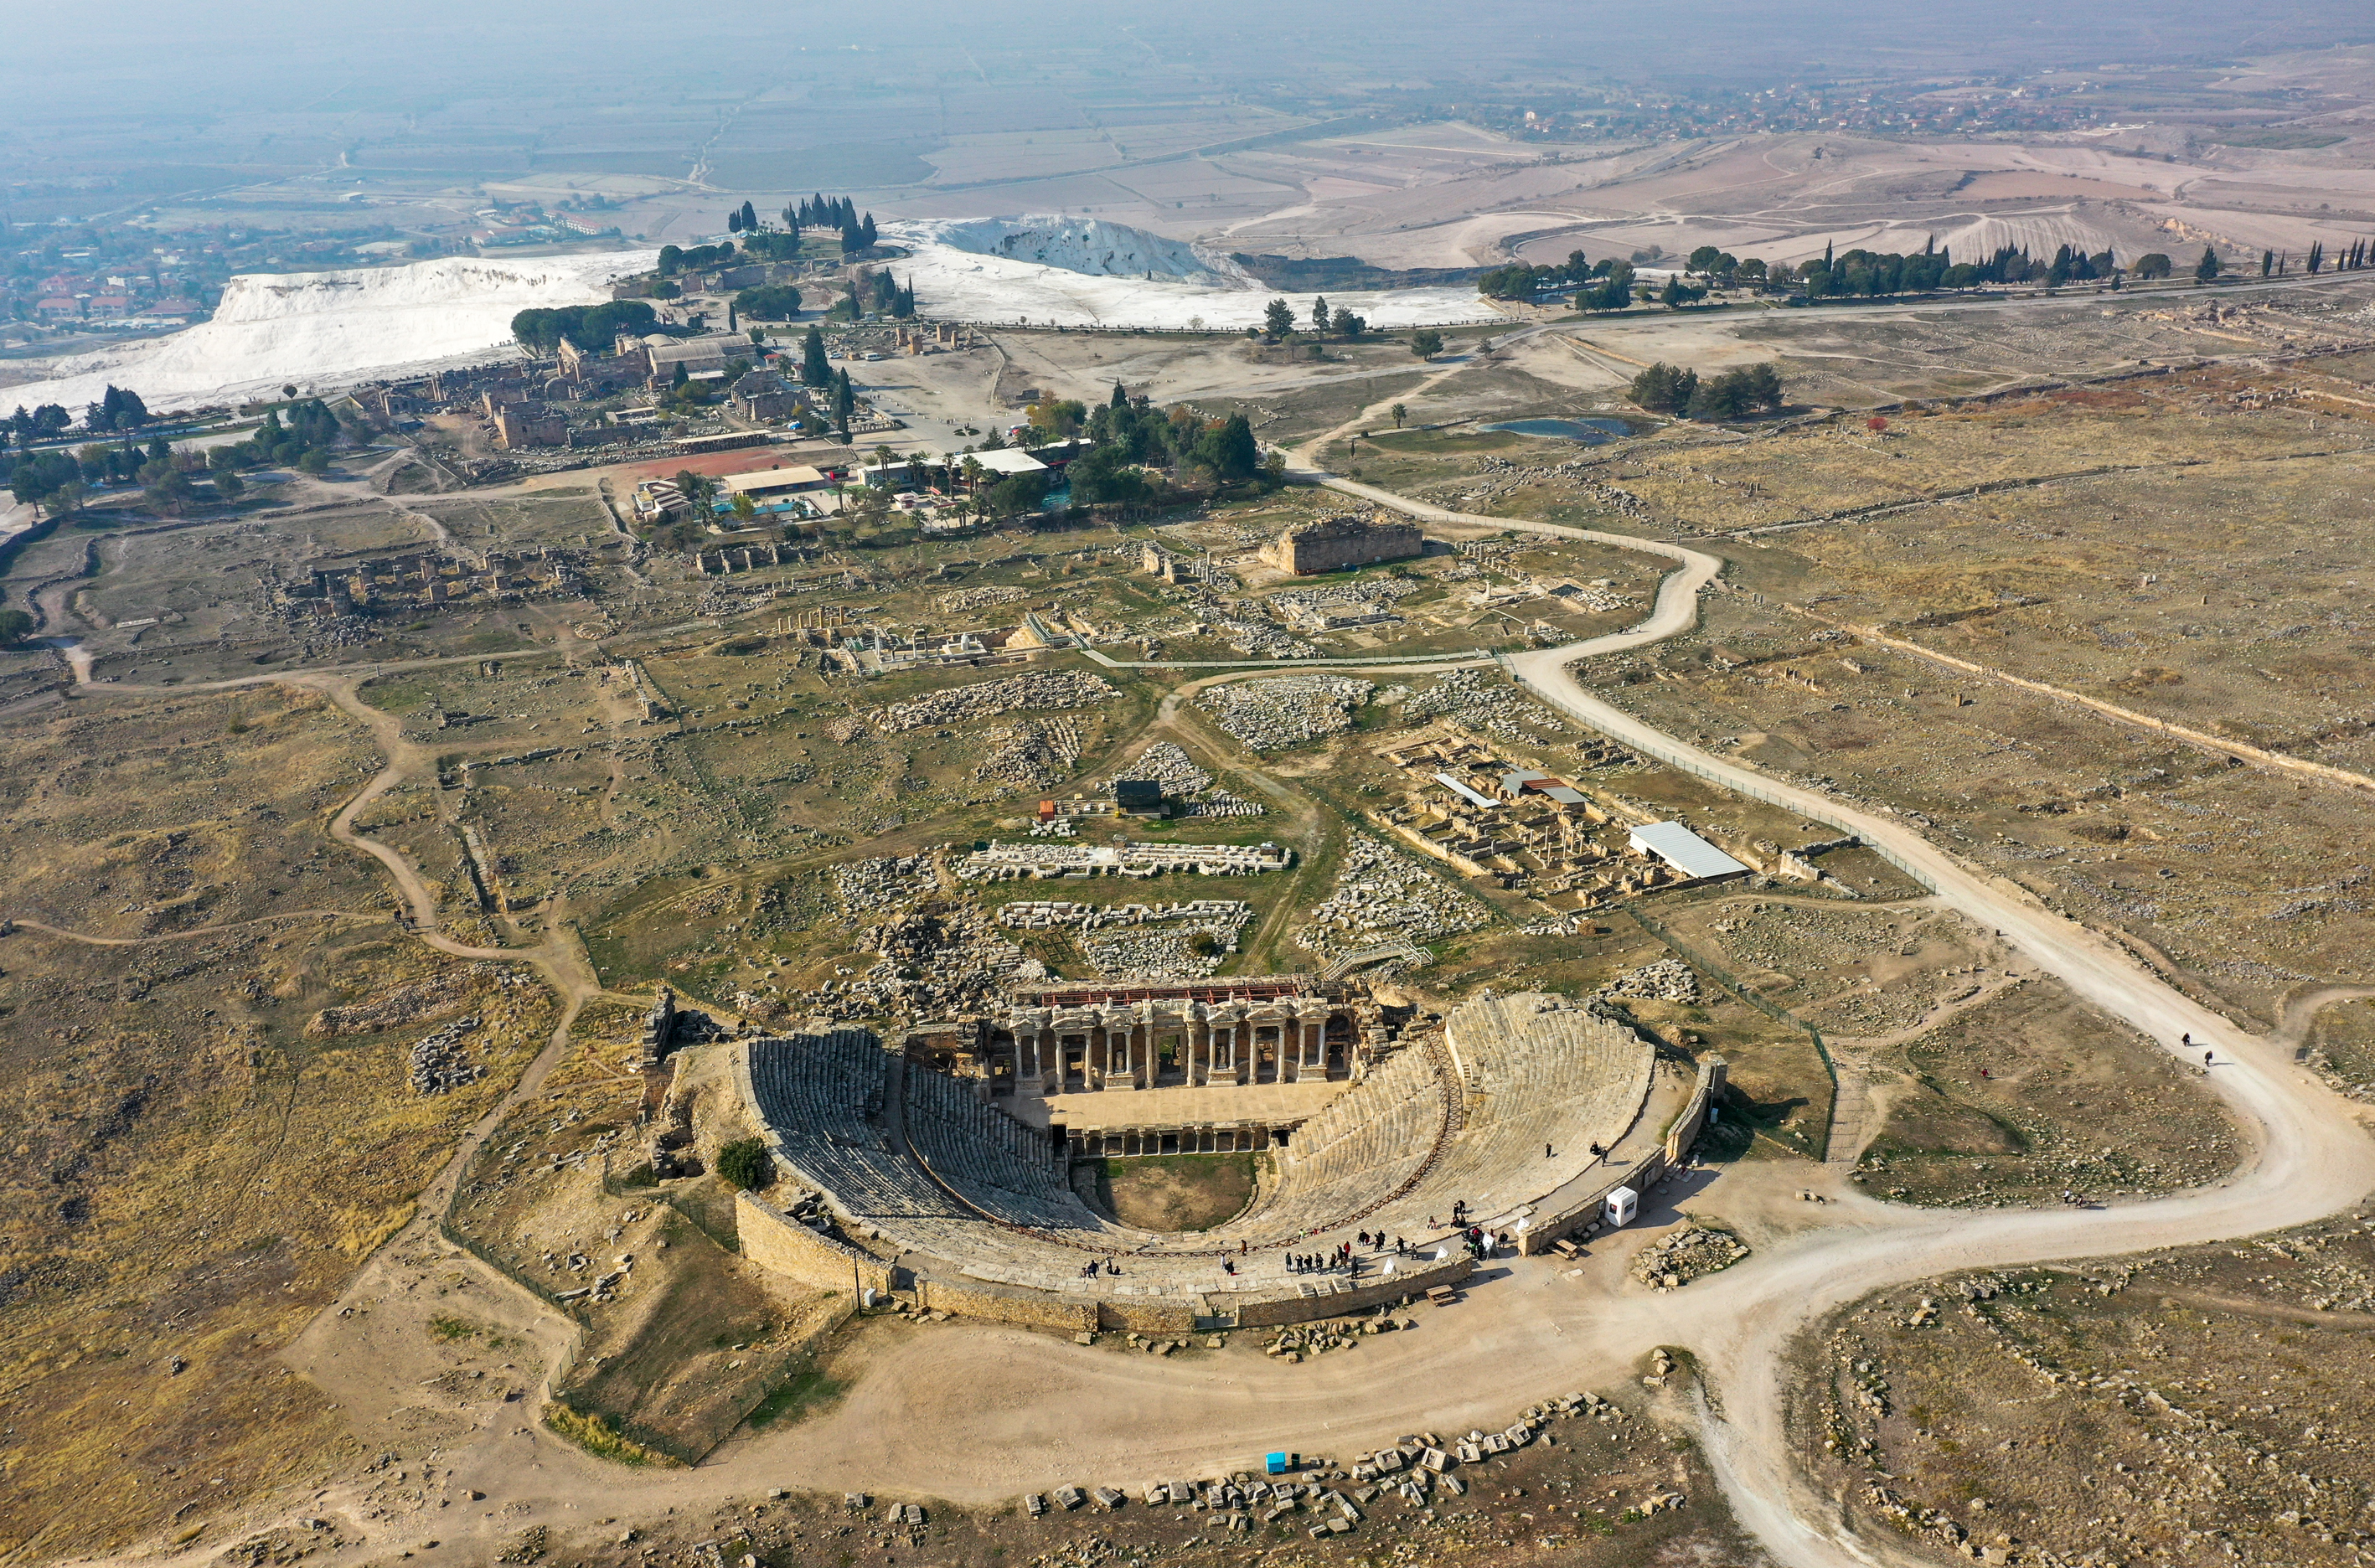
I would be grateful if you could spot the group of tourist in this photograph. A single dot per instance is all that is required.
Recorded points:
(1481, 1244)
(1323, 1262)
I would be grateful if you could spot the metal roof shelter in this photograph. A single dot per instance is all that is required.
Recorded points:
(1141, 798)
(766, 481)
(1685, 850)
(1470, 796)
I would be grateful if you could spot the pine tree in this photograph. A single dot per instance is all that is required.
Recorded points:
(750, 218)
(866, 231)
(1319, 314)
(1120, 399)
(814, 368)
(734, 221)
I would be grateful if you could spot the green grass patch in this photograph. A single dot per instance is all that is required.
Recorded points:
(805, 1392)
(600, 1438)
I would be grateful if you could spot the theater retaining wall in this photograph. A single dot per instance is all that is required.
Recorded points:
(798, 1253)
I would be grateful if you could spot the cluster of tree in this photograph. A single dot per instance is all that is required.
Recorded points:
(1605, 285)
(821, 212)
(592, 327)
(119, 408)
(1933, 267)
(46, 422)
(1133, 438)
(1278, 321)
(63, 480)
(743, 220)
(874, 293)
(304, 441)
(2351, 258)
(778, 301)
(1667, 389)
(857, 232)
(1520, 281)
(675, 258)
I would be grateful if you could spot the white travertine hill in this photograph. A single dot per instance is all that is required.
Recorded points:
(1088, 245)
(325, 329)
(1083, 272)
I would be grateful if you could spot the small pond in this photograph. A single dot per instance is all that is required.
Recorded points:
(1592, 433)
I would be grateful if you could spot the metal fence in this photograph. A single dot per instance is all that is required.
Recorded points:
(1772, 1009)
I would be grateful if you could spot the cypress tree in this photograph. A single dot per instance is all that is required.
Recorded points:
(815, 370)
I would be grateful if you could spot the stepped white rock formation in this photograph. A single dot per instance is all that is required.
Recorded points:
(322, 330)
(1084, 272)
(1091, 246)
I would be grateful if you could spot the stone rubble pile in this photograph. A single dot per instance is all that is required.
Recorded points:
(1223, 804)
(1232, 621)
(1167, 764)
(884, 882)
(1034, 754)
(935, 964)
(1015, 860)
(987, 699)
(1486, 701)
(1667, 980)
(1156, 956)
(1684, 1255)
(977, 598)
(1285, 710)
(1380, 896)
(1039, 916)
(406, 1002)
(1331, 1496)
(441, 1061)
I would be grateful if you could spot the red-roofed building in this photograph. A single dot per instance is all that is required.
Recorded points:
(60, 305)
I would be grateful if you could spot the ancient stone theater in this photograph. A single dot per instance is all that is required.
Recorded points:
(947, 1161)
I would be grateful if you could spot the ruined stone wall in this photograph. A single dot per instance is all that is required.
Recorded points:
(1714, 1072)
(1138, 1315)
(1029, 1309)
(1303, 1309)
(1332, 543)
(798, 1253)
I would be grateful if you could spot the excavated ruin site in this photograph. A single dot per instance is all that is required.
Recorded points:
(1633, 992)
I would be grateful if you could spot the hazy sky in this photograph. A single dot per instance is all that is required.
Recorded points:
(156, 96)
